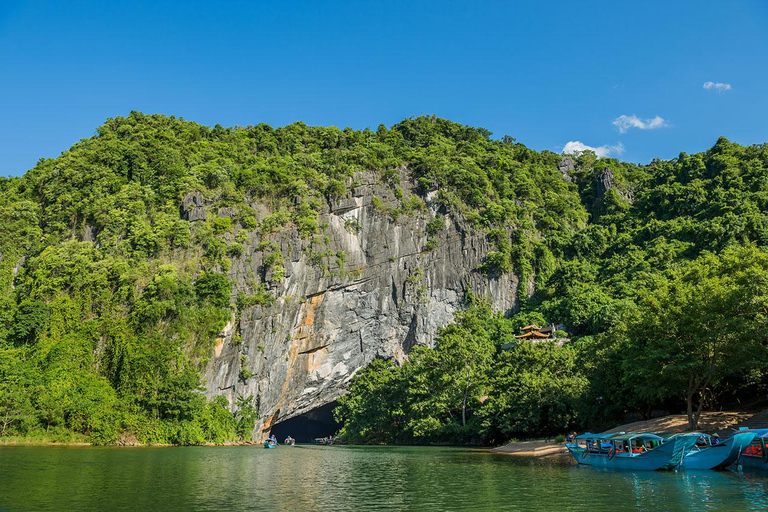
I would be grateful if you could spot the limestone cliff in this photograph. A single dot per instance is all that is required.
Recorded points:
(368, 286)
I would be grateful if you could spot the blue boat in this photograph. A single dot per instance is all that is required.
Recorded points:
(646, 452)
(706, 455)
(755, 455)
(270, 443)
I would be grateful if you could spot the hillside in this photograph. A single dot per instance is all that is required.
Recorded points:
(170, 282)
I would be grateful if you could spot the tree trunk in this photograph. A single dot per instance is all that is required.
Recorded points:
(697, 414)
(6, 422)
(464, 402)
(703, 388)
(464, 408)
(692, 424)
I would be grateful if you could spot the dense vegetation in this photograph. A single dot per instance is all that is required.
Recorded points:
(110, 302)
(465, 390)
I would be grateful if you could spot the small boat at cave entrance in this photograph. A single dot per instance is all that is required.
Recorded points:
(289, 441)
(646, 452)
(270, 443)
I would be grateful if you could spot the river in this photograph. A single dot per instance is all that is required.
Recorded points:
(348, 478)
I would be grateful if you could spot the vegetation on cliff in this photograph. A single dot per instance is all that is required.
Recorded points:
(111, 300)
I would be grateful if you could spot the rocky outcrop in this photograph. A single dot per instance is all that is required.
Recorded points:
(605, 181)
(193, 207)
(566, 166)
(366, 286)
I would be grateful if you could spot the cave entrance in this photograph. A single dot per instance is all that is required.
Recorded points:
(308, 426)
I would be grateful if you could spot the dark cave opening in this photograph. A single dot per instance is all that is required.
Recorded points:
(308, 426)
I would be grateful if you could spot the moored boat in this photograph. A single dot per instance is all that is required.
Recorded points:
(270, 443)
(755, 455)
(646, 452)
(708, 455)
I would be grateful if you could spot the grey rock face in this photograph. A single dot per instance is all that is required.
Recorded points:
(367, 286)
(566, 166)
(605, 181)
(192, 207)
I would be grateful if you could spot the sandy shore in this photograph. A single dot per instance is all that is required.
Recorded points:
(540, 448)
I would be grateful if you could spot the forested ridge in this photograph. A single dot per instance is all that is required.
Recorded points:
(111, 300)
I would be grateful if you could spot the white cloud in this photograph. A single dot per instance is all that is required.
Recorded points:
(717, 86)
(625, 123)
(576, 146)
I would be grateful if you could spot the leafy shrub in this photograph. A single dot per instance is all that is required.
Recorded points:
(335, 189)
(495, 264)
(435, 226)
(274, 220)
(261, 298)
(245, 372)
(222, 225)
(352, 225)
(213, 288)
(235, 249)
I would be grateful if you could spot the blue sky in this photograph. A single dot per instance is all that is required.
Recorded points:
(547, 73)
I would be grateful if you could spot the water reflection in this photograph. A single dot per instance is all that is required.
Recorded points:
(348, 478)
(684, 490)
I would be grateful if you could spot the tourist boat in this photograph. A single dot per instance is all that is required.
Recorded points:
(289, 441)
(706, 455)
(637, 451)
(756, 454)
(270, 443)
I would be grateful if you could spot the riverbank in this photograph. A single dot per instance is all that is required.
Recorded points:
(36, 441)
(23, 441)
(720, 422)
(540, 448)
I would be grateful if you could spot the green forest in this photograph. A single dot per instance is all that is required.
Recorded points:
(110, 301)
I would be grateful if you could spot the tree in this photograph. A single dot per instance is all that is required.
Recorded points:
(447, 384)
(29, 321)
(245, 417)
(535, 389)
(214, 288)
(706, 323)
(374, 410)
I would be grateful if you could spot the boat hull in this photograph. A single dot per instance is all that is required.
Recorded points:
(270, 445)
(721, 455)
(753, 462)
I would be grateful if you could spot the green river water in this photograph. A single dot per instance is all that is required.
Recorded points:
(348, 478)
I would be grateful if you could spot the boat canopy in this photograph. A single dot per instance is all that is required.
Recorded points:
(670, 435)
(622, 436)
(761, 432)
